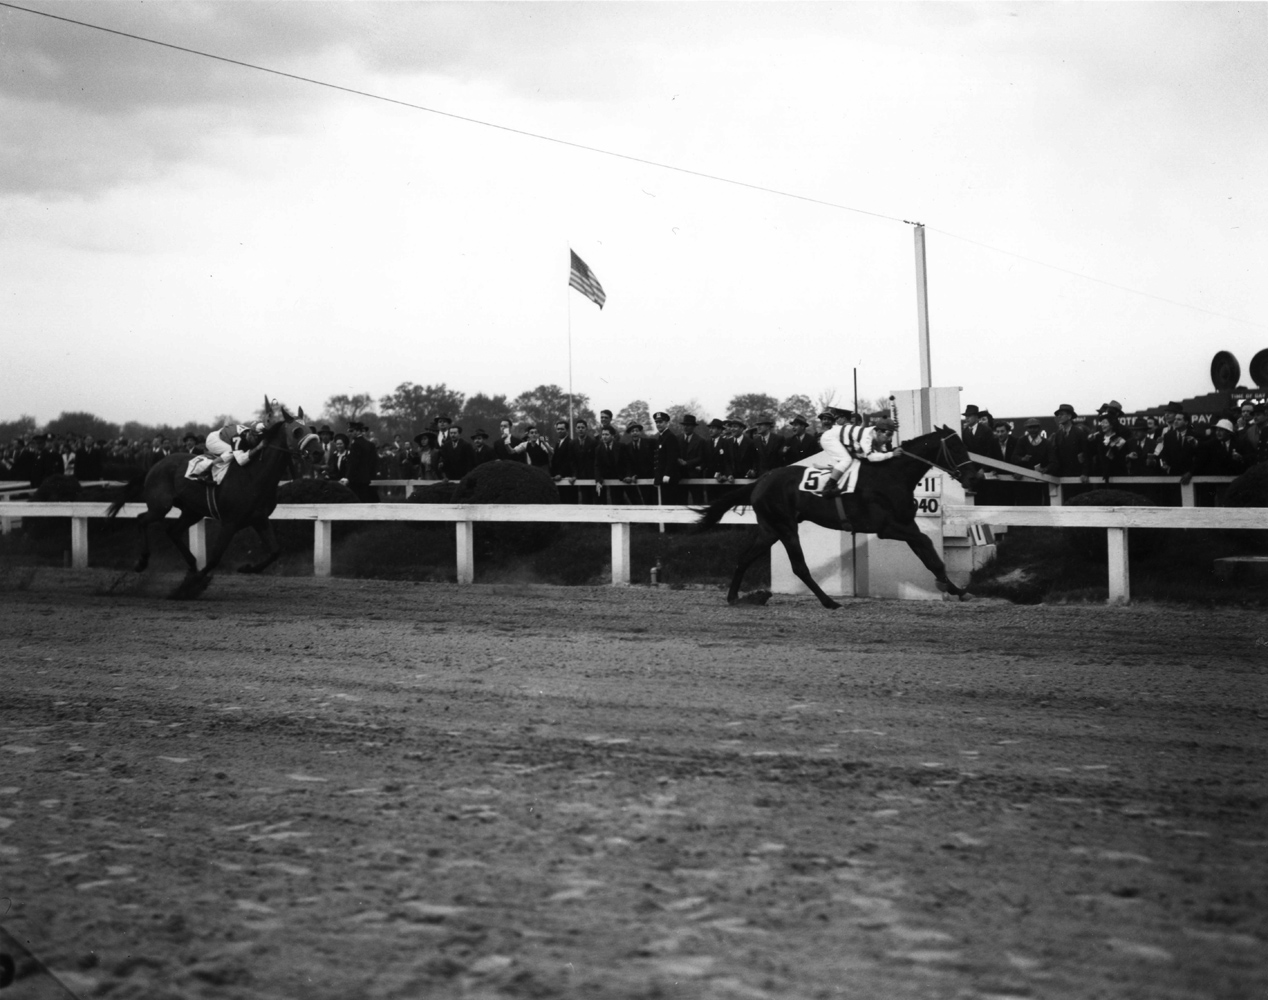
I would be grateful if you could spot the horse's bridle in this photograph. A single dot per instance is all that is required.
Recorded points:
(951, 468)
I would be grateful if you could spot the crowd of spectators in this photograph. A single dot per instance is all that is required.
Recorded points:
(34, 457)
(1112, 443)
(628, 464)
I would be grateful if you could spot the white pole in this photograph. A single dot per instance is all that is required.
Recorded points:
(922, 309)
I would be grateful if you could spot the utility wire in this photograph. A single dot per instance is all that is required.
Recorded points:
(603, 152)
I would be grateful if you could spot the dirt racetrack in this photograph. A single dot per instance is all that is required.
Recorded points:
(343, 789)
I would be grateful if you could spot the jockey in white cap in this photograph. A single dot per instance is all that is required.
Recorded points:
(851, 444)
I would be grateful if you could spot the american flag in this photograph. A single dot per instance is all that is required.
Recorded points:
(583, 280)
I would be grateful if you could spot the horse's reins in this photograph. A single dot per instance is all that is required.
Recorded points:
(943, 450)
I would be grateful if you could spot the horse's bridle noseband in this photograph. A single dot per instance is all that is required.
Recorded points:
(951, 468)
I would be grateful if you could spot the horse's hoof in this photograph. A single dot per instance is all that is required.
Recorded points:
(965, 595)
(832, 605)
(140, 566)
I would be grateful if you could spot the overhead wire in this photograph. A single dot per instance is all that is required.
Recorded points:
(604, 152)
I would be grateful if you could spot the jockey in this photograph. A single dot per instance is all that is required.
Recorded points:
(856, 444)
(234, 442)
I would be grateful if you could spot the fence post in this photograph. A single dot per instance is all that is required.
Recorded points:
(466, 551)
(1119, 578)
(1187, 494)
(198, 543)
(79, 542)
(621, 554)
(322, 550)
(1054, 495)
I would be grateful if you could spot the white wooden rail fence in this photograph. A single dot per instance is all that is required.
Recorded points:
(956, 522)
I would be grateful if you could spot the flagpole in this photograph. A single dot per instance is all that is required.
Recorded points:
(568, 294)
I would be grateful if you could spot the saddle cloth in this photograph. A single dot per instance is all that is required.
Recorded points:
(200, 465)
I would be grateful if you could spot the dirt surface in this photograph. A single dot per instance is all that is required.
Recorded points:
(341, 789)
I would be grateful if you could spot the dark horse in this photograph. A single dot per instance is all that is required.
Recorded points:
(881, 505)
(246, 496)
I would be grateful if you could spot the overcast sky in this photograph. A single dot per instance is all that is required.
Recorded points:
(179, 236)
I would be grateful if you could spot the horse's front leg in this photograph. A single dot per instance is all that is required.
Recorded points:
(264, 528)
(923, 547)
(178, 532)
(196, 580)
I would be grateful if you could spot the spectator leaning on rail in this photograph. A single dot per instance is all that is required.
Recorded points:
(1177, 448)
(1107, 448)
(1067, 446)
(861, 444)
(801, 443)
(741, 455)
(668, 451)
(642, 455)
(691, 456)
(1138, 454)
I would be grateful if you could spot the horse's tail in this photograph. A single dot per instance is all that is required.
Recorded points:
(132, 492)
(711, 515)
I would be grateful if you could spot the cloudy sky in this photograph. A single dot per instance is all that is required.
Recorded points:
(180, 235)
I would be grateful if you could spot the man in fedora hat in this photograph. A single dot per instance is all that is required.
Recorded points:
(642, 463)
(801, 443)
(363, 459)
(691, 456)
(716, 464)
(456, 457)
(1139, 454)
(1032, 446)
(741, 455)
(1067, 446)
(977, 432)
(480, 450)
(769, 445)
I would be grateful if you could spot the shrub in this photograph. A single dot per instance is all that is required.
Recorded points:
(509, 482)
(1091, 542)
(433, 493)
(1250, 489)
(314, 491)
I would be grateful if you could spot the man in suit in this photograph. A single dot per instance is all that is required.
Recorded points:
(741, 455)
(1067, 446)
(611, 467)
(716, 464)
(769, 446)
(480, 450)
(691, 458)
(507, 447)
(642, 459)
(456, 456)
(668, 468)
(1177, 449)
(801, 444)
(363, 459)
(563, 467)
(977, 434)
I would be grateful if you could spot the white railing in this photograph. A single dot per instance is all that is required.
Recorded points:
(959, 520)
(464, 517)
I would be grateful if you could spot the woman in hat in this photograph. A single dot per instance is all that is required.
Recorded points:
(427, 463)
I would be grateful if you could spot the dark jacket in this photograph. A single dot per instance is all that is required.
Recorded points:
(1067, 452)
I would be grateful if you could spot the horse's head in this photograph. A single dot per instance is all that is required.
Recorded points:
(943, 449)
(289, 433)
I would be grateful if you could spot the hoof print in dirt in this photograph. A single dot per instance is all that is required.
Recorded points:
(758, 597)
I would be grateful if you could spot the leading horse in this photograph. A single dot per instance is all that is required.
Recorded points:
(245, 497)
(881, 505)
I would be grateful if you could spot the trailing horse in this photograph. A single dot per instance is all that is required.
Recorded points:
(246, 496)
(881, 505)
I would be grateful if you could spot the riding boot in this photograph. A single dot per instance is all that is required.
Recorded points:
(832, 489)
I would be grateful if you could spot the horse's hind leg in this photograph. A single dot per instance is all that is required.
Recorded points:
(762, 543)
(797, 559)
(152, 515)
(264, 528)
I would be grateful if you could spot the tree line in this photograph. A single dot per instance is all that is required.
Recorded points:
(411, 408)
